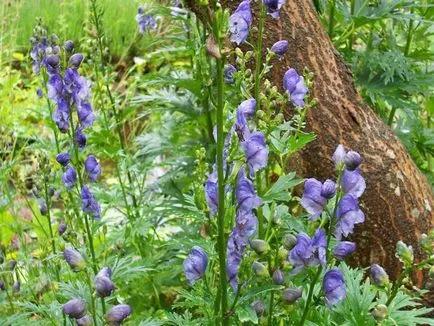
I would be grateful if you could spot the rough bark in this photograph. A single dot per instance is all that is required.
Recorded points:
(398, 202)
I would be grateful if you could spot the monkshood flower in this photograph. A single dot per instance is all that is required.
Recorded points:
(291, 295)
(80, 138)
(352, 160)
(240, 21)
(195, 264)
(256, 152)
(245, 111)
(92, 168)
(236, 246)
(211, 193)
(259, 307)
(84, 321)
(294, 84)
(74, 308)
(344, 249)
(353, 183)
(379, 276)
(2, 285)
(339, 156)
(280, 48)
(348, 214)
(273, 7)
(89, 204)
(308, 251)
(260, 269)
(105, 272)
(245, 193)
(85, 115)
(68, 46)
(315, 196)
(61, 115)
(43, 209)
(228, 74)
(334, 286)
(75, 60)
(39, 93)
(69, 177)
(63, 158)
(103, 286)
(278, 277)
(61, 229)
(145, 22)
(52, 63)
(74, 259)
(118, 314)
(246, 223)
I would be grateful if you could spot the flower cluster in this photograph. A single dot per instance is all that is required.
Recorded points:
(145, 22)
(42, 48)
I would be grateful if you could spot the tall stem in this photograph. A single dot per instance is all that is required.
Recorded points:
(309, 296)
(332, 19)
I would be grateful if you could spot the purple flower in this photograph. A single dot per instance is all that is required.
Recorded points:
(92, 168)
(145, 22)
(344, 249)
(80, 138)
(273, 7)
(246, 223)
(43, 209)
(280, 47)
(259, 307)
(294, 84)
(339, 156)
(74, 259)
(278, 277)
(211, 193)
(85, 114)
(228, 74)
(291, 295)
(348, 214)
(245, 193)
(195, 264)
(379, 276)
(68, 46)
(105, 271)
(16, 287)
(352, 160)
(334, 286)
(103, 286)
(315, 196)
(353, 183)
(52, 63)
(240, 21)
(2, 285)
(55, 87)
(69, 177)
(63, 158)
(235, 249)
(256, 152)
(61, 229)
(308, 252)
(75, 60)
(61, 115)
(39, 93)
(74, 308)
(118, 313)
(84, 321)
(89, 204)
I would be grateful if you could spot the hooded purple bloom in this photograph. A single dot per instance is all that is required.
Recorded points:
(211, 193)
(339, 156)
(69, 177)
(315, 196)
(92, 168)
(273, 7)
(280, 47)
(55, 87)
(352, 160)
(62, 227)
(80, 138)
(85, 114)
(43, 209)
(61, 115)
(290, 295)
(75, 60)
(379, 275)
(334, 286)
(294, 84)
(68, 46)
(246, 223)
(105, 271)
(145, 22)
(52, 63)
(103, 286)
(228, 74)
(348, 214)
(278, 277)
(63, 158)
(245, 111)
(353, 183)
(245, 193)
(16, 287)
(240, 21)
(236, 246)
(195, 264)
(256, 152)
(344, 249)
(118, 313)
(84, 321)
(308, 252)
(74, 308)
(74, 259)
(89, 204)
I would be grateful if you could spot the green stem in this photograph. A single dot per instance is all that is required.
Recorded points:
(259, 54)
(50, 227)
(351, 37)
(309, 296)
(332, 19)
(391, 116)
(409, 36)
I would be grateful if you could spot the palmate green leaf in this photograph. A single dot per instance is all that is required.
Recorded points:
(246, 314)
(279, 190)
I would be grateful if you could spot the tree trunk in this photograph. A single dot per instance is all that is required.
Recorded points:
(398, 202)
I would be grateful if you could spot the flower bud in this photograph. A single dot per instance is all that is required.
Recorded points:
(280, 47)
(379, 275)
(339, 156)
(84, 321)
(278, 277)
(42, 207)
(228, 74)
(2, 285)
(12, 264)
(53, 63)
(75, 60)
(16, 287)
(68, 46)
(259, 269)
(259, 246)
(105, 271)
(39, 93)
(238, 52)
(104, 286)
(289, 241)
(426, 242)
(282, 254)
(352, 160)
(63, 158)
(291, 295)
(379, 312)
(62, 227)
(404, 253)
(259, 307)
(74, 259)
(118, 313)
(74, 308)
(344, 249)
(328, 189)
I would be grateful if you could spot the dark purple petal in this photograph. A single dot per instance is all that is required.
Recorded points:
(61, 229)
(294, 84)
(348, 214)
(273, 7)
(344, 249)
(195, 264)
(245, 193)
(328, 189)
(334, 287)
(256, 152)
(278, 277)
(211, 193)
(61, 115)
(280, 47)
(352, 160)
(75, 60)
(228, 74)
(63, 158)
(74, 308)
(92, 168)
(89, 204)
(246, 223)
(308, 252)
(118, 313)
(68, 46)
(353, 183)
(74, 259)
(379, 276)
(85, 114)
(103, 286)
(69, 177)
(312, 200)
(80, 138)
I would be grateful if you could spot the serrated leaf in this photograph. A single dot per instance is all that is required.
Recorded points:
(278, 190)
